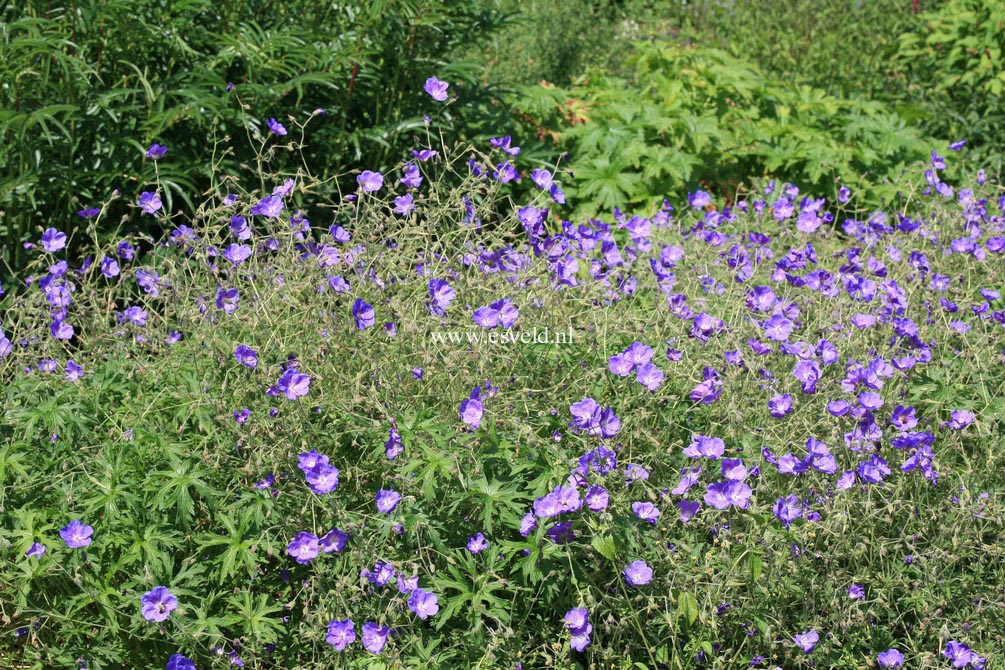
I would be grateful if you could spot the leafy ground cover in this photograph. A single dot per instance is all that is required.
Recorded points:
(431, 424)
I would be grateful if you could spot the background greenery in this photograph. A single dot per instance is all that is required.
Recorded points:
(797, 89)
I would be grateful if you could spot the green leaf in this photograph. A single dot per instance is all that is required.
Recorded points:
(687, 607)
(755, 568)
(604, 544)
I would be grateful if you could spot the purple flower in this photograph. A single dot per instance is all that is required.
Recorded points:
(73, 371)
(638, 573)
(407, 584)
(135, 315)
(688, 509)
(89, 212)
(506, 172)
(472, 410)
(808, 373)
(275, 127)
(734, 469)
(649, 376)
(576, 618)
(699, 199)
(403, 204)
(957, 652)
(363, 314)
(387, 500)
(109, 267)
(237, 253)
(721, 495)
(52, 240)
(270, 206)
(501, 313)
(156, 151)
(874, 470)
(856, 592)
(807, 640)
(477, 544)
(227, 299)
(334, 540)
(505, 143)
(412, 178)
(787, 509)
(597, 498)
(246, 356)
(370, 181)
(436, 89)
(393, 446)
(441, 294)
(76, 534)
(528, 523)
(620, 365)
(635, 472)
(870, 400)
(688, 478)
(61, 330)
(542, 178)
(577, 621)
(310, 460)
(423, 603)
(294, 384)
(179, 662)
(340, 633)
(239, 228)
(702, 446)
(707, 392)
(960, 419)
(891, 658)
(374, 637)
(646, 511)
(561, 499)
(149, 202)
(157, 603)
(36, 550)
(778, 328)
(780, 405)
(304, 547)
(381, 574)
(322, 478)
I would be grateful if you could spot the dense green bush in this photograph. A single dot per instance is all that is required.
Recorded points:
(685, 117)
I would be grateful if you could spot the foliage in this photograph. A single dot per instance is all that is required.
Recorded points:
(191, 461)
(551, 41)
(954, 62)
(690, 117)
(845, 47)
(87, 86)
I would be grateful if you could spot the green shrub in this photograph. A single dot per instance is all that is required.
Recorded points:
(688, 117)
